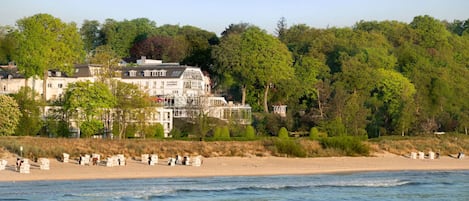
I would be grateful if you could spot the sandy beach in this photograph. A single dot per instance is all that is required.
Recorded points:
(232, 166)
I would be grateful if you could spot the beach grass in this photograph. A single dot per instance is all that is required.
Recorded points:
(35, 147)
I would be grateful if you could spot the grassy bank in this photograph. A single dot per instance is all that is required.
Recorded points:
(34, 147)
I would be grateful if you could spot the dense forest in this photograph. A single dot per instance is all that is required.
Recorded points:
(374, 78)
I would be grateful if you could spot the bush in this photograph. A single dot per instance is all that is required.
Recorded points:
(350, 146)
(249, 132)
(176, 133)
(217, 133)
(283, 133)
(225, 133)
(289, 147)
(154, 131)
(314, 133)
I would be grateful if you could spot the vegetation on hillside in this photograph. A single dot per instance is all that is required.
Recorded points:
(373, 79)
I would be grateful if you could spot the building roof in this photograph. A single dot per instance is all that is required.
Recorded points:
(161, 71)
(10, 72)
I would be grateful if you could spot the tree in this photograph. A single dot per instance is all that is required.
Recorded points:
(121, 36)
(254, 57)
(108, 60)
(44, 43)
(86, 101)
(128, 99)
(8, 44)
(91, 35)
(29, 104)
(166, 48)
(281, 28)
(269, 59)
(9, 115)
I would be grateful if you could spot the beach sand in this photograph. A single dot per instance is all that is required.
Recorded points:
(232, 166)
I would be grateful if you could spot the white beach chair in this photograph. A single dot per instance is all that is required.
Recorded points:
(421, 155)
(145, 158)
(85, 160)
(66, 157)
(171, 161)
(197, 161)
(3, 164)
(186, 160)
(44, 164)
(153, 159)
(109, 162)
(25, 167)
(121, 160)
(431, 155)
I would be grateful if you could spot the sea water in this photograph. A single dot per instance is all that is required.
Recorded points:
(408, 185)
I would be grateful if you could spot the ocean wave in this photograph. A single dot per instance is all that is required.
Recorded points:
(370, 183)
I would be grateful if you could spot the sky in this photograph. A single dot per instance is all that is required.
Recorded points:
(216, 15)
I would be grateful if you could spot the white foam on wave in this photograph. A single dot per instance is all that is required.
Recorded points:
(369, 183)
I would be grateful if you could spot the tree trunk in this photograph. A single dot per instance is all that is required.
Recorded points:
(243, 97)
(321, 112)
(266, 94)
(44, 85)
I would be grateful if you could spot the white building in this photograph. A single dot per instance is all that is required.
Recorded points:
(182, 90)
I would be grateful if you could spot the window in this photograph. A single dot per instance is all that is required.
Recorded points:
(176, 73)
(146, 73)
(132, 73)
(49, 85)
(60, 85)
(171, 83)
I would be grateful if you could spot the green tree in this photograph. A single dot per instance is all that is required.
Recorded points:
(254, 57)
(91, 34)
(8, 44)
(129, 98)
(45, 42)
(108, 60)
(9, 115)
(30, 104)
(86, 101)
(91, 127)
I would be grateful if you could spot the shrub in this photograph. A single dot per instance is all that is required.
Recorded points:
(225, 133)
(314, 133)
(217, 133)
(283, 133)
(350, 146)
(176, 133)
(290, 148)
(154, 131)
(249, 132)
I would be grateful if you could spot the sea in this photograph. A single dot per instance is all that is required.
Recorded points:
(403, 185)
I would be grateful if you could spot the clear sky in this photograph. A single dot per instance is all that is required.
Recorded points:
(216, 15)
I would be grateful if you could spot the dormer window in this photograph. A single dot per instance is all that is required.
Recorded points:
(58, 74)
(132, 73)
(146, 73)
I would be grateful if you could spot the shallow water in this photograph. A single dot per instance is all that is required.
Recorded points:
(414, 185)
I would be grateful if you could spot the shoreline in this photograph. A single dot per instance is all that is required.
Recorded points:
(232, 166)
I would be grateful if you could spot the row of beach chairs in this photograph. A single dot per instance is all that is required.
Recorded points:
(431, 155)
(152, 159)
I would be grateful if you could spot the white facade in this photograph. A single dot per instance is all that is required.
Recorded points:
(182, 90)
